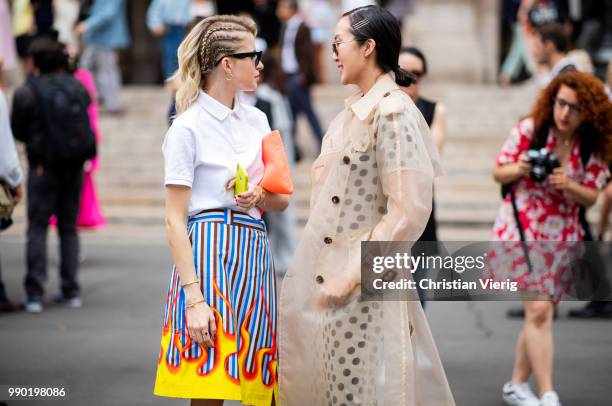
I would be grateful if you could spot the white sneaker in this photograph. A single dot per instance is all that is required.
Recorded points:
(33, 307)
(71, 303)
(74, 303)
(550, 398)
(519, 394)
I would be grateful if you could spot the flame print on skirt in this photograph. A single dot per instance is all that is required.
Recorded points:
(235, 266)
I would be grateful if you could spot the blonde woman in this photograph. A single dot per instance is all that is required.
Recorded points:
(219, 329)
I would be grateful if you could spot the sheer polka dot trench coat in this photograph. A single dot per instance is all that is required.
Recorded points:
(372, 182)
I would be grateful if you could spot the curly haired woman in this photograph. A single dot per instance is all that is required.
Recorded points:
(572, 119)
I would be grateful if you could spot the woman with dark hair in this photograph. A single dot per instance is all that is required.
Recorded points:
(572, 120)
(372, 182)
(413, 60)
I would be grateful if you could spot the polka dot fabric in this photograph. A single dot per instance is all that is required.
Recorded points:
(372, 181)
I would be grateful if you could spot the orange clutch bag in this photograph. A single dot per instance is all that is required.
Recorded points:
(277, 177)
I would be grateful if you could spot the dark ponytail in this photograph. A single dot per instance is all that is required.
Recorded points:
(403, 77)
(376, 23)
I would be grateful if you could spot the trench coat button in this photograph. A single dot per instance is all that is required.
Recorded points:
(387, 94)
(335, 200)
(346, 160)
(320, 279)
(389, 275)
(327, 240)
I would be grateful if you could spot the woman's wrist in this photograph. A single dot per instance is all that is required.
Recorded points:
(518, 172)
(194, 303)
(193, 293)
(573, 188)
(509, 173)
(261, 201)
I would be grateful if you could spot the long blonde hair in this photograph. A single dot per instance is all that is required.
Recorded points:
(210, 40)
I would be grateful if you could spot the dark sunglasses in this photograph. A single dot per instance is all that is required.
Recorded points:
(417, 73)
(255, 55)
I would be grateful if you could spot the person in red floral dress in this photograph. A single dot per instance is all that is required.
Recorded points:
(572, 113)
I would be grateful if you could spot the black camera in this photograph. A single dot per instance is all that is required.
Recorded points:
(543, 163)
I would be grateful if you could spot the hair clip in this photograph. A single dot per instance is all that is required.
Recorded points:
(360, 24)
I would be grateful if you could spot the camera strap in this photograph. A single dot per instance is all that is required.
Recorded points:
(519, 226)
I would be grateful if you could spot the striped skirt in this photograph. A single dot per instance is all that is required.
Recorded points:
(234, 265)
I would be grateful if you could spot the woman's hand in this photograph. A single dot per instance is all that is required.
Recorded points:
(17, 194)
(583, 195)
(523, 11)
(559, 180)
(336, 291)
(249, 199)
(523, 167)
(159, 30)
(81, 28)
(508, 173)
(201, 324)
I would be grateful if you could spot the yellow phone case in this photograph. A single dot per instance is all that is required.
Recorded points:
(242, 181)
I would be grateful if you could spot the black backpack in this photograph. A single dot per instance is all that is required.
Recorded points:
(63, 101)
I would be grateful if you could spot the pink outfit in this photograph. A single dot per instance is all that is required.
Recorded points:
(7, 40)
(90, 212)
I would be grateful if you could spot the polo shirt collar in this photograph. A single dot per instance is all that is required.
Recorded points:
(216, 108)
(362, 105)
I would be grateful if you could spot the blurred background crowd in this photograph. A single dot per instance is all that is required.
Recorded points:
(480, 65)
(461, 48)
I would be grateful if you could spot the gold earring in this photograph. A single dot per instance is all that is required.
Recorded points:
(230, 77)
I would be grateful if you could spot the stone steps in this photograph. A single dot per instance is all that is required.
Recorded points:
(131, 173)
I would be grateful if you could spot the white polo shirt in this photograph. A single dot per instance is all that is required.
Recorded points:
(204, 145)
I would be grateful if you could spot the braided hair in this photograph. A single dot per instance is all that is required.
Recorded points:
(208, 42)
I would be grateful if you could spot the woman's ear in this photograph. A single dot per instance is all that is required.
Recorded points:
(227, 66)
(369, 47)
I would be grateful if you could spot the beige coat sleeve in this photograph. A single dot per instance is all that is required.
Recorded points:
(407, 163)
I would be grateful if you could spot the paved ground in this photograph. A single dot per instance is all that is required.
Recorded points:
(105, 352)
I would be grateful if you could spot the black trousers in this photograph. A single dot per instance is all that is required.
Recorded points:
(300, 102)
(53, 191)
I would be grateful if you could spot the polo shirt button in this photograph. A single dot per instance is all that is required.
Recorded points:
(320, 279)
(387, 94)
(327, 240)
(346, 160)
(335, 199)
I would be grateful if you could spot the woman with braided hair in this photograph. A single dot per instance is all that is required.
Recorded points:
(219, 328)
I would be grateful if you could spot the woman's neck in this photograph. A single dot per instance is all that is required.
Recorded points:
(564, 135)
(369, 79)
(223, 94)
